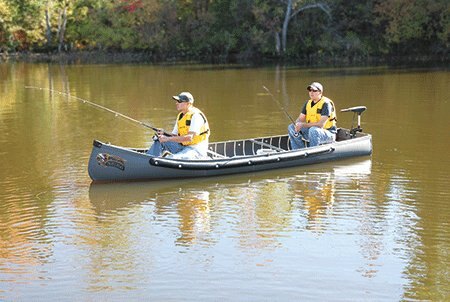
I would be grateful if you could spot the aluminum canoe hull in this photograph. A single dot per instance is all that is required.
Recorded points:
(115, 163)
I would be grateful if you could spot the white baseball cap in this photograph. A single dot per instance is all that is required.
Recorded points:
(184, 97)
(315, 86)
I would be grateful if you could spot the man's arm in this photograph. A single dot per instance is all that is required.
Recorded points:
(299, 122)
(326, 112)
(301, 118)
(178, 138)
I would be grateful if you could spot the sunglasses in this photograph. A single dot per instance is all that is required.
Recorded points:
(312, 90)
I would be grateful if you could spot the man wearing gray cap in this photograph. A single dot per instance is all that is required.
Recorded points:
(190, 134)
(316, 122)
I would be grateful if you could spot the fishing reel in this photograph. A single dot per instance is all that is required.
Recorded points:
(357, 111)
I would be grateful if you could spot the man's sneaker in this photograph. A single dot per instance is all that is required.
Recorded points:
(166, 153)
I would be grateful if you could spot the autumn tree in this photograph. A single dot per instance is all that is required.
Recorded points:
(420, 26)
(56, 15)
(24, 24)
(224, 30)
(5, 23)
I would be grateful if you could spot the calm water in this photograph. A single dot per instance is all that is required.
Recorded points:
(375, 228)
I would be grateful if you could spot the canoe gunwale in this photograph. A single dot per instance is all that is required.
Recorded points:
(235, 162)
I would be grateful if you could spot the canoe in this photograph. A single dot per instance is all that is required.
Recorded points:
(115, 163)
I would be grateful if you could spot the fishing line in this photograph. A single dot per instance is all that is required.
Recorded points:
(282, 108)
(279, 105)
(117, 114)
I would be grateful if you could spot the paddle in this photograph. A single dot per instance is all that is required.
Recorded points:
(157, 130)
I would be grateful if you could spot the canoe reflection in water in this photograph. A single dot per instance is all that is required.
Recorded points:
(167, 201)
(264, 203)
(194, 217)
(319, 189)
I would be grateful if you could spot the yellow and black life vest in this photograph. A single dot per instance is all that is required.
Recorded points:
(313, 114)
(184, 123)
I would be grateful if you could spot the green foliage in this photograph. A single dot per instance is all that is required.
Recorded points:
(356, 29)
(106, 26)
(5, 22)
(231, 29)
(405, 19)
(22, 27)
(414, 25)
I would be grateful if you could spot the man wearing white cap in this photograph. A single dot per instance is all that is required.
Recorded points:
(316, 122)
(190, 134)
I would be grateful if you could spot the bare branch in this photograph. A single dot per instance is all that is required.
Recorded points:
(321, 6)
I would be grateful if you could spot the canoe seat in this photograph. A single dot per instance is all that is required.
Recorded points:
(269, 146)
(263, 151)
(215, 155)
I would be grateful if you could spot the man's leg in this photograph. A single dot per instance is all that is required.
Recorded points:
(319, 136)
(295, 138)
(158, 148)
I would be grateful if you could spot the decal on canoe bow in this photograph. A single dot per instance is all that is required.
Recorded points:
(108, 160)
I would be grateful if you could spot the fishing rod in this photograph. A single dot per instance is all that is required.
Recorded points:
(117, 114)
(279, 105)
(282, 108)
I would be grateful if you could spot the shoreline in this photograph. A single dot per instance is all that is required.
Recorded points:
(109, 57)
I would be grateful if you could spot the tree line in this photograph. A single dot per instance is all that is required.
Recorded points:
(229, 30)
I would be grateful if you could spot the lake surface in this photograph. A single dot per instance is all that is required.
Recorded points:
(373, 228)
